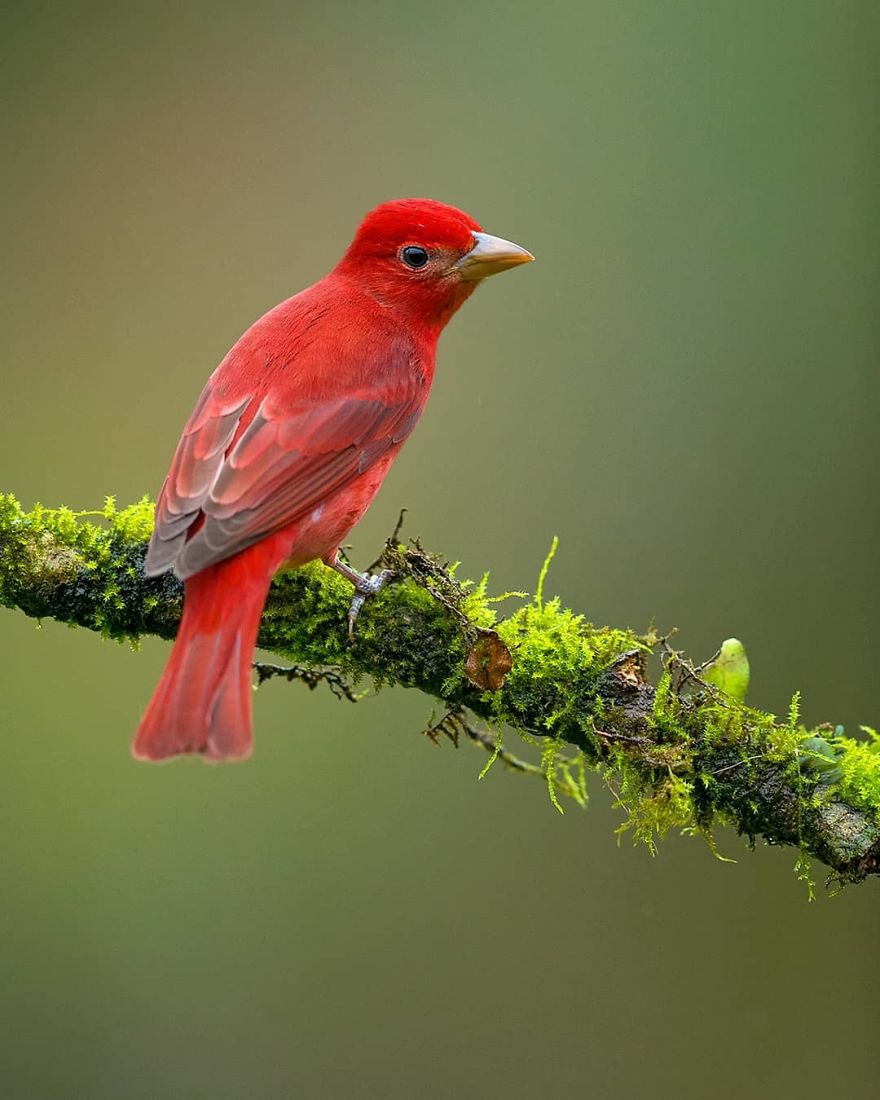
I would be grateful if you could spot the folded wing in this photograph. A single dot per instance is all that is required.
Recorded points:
(229, 486)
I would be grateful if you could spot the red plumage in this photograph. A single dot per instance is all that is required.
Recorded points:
(287, 446)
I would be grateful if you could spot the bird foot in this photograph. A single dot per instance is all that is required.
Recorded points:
(365, 585)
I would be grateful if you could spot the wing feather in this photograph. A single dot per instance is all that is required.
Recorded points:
(229, 486)
(194, 469)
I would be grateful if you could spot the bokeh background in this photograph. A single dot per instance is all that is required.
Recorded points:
(684, 388)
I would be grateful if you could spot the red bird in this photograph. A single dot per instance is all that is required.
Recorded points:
(287, 446)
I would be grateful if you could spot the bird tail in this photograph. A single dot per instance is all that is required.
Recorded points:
(203, 701)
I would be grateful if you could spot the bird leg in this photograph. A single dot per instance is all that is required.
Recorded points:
(364, 585)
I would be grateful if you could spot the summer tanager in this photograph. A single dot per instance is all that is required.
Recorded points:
(289, 442)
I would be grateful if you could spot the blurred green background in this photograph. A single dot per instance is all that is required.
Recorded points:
(684, 388)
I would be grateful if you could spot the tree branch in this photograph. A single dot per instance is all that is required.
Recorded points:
(677, 754)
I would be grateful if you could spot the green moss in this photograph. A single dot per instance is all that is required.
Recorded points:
(559, 660)
(545, 569)
(859, 764)
(564, 776)
(550, 750)
(651, 816)
(666, 712)
(53, 563)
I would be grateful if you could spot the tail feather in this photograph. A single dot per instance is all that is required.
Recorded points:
(203, 701)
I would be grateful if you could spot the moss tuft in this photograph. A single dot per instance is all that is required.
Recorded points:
(859, 765)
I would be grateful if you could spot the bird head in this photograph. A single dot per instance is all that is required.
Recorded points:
(424, 258)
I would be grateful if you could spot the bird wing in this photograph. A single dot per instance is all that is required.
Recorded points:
(237, 477)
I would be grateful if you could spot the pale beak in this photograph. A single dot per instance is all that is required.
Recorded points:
(489, 256)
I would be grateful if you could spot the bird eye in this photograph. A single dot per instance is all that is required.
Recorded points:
(414, 256)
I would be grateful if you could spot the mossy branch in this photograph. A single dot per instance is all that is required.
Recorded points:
(677, 754)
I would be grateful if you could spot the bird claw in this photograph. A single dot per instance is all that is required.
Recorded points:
(365, 586)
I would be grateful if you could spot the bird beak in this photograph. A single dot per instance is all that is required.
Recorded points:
(489, 256)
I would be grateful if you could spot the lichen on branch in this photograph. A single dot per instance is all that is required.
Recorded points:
(677, 754)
